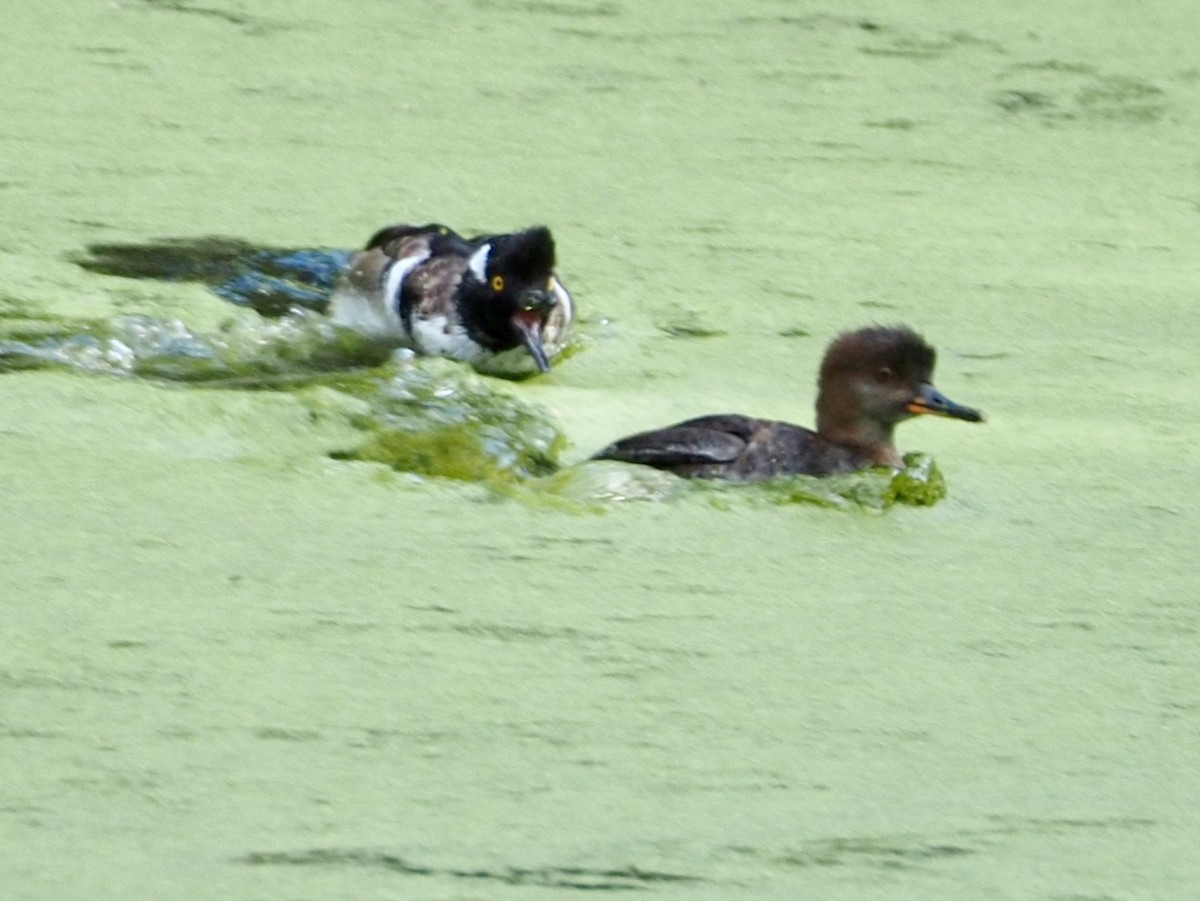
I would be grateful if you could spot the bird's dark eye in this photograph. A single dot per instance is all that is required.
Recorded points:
(497, 283)
(885, 374)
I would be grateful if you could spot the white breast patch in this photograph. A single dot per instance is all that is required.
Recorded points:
(432, 335)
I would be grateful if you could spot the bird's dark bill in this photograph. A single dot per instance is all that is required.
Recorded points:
(528, 324)
(931, 401)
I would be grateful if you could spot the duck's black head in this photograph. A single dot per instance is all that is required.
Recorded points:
(874, 378)
(507, 292)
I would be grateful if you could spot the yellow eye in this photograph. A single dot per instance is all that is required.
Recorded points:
(497, 283)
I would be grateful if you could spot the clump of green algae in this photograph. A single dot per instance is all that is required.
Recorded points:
(919, 484)
(597, 484)
(436, 417)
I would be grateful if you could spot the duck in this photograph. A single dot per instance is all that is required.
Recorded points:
(493, 301)
(870, 380)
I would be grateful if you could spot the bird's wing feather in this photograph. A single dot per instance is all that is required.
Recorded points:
(743, 427)
(677, 445)
(430, 289)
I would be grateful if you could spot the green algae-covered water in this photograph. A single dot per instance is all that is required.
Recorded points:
(246, 657)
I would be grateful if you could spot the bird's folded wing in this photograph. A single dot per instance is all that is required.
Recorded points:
(676, 445)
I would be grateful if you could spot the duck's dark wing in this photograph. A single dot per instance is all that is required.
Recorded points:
(392, 234)
(708, 439)
(431, 260)
(744, 427)
(431, 288)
